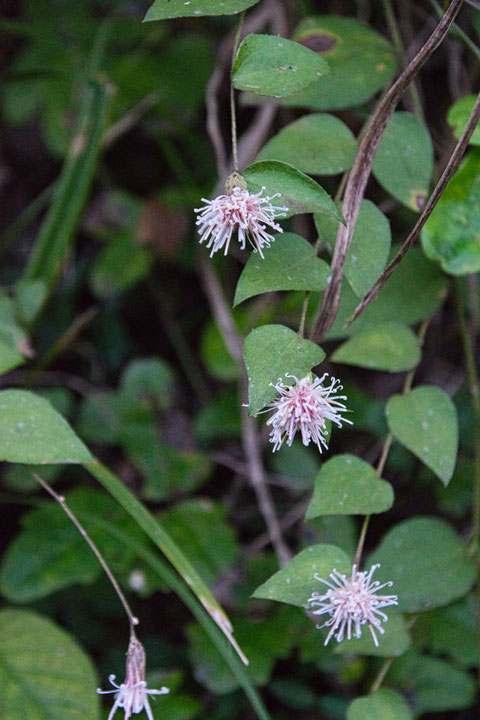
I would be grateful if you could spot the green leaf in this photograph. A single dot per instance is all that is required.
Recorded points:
(361, 62)
(399, 300)
(119, 266)
(298, 192)
(450, 632)
(43, 672)
(404, 160)
(427, 562)
(295, 583)
(425, 421)
(369, 248)
(380, 705)
(433, 684)
(347, 485)
(271, 65)
(271, 351)
(32, 568)
(388, 346)
(29, 296)
(9, 358)
(291, 265)
(167, 9)
(458, 115)
(200, 528)
(450, 235)
(148, 381)
(318, 144)
(32, 432)
(394, 642)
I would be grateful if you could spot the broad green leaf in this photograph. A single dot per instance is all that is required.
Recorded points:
(148, 381)
(32, 432)
(264, 641)
(270, 352)
(298, 192)
(433, 684)
(295, 583)
(32, 568)
(347, 485)
(9, 358)
(119, 266)
(450, 235)
(318, 144)
(427, 562)
(394, 642)
(425, 421)
(361, 62)
(29, 297)
(200, 528)
(388, 346)
(400, 300)
(43, 672)
(271, 65)
(381, 705)
(291, 265)
(369, 248)
(167, 9)
(458, 115)
(404, 160)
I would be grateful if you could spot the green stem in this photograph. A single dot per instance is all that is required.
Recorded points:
(233, 112)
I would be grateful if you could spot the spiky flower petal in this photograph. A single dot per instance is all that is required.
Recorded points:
(240, 211)
(305, 407)
(132, 695)
(352, 602)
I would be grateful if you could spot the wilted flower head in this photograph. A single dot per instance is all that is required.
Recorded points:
(242, 211)
(352, 602)
(132, 695)
(305, 406)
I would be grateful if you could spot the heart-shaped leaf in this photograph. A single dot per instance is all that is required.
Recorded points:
(347, 485)
(319, 144)
(451, 233)
(388, 346)
(298, 192)
(271, 351)
(291, 265)
(31, 431)
(43, 672)
(425, 421)
(167, 9)
(271, 65)
(427, 562)
(369, 248)
(394, 642)
(404, 160)
(295, 583)
(380, 705)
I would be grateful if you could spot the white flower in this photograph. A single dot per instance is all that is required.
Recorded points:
(242, 211)
(352, 602)
(305, 406)
(132, 695)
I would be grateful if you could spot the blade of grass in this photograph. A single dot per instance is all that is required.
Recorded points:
(175, 583)
(164, 542)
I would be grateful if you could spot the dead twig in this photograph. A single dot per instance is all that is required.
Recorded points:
(360, 172)
(450, 169)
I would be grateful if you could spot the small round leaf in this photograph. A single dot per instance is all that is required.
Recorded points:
(381, 705)
(388, 346)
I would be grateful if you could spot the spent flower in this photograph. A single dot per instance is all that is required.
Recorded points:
(132, 695)
(352, 602)
(305, 406)
(238, 210)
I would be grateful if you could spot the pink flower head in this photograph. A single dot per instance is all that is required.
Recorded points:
(132, 695)
(352, 602)
(242, 211)
(305, 406)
